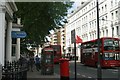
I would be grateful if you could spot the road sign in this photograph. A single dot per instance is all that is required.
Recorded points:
(73, 36)
(18, 34)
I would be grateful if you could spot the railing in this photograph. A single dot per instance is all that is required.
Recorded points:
(14, 71)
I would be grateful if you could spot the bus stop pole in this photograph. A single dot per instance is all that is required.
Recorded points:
(99, 72)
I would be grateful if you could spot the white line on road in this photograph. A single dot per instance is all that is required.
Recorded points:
(89, 77)
(116, 70)
(83, 76)
(78, 74)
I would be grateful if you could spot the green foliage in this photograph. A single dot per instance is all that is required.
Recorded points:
(40, 17)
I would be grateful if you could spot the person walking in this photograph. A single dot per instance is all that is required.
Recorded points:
(31, 62)
(37, 63)
(22, 61)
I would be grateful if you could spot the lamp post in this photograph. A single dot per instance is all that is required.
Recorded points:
(111, 26)
(99, 71)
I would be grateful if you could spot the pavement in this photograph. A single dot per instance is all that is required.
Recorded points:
(36, 75)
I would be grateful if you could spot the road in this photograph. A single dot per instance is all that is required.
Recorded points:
(90, 72)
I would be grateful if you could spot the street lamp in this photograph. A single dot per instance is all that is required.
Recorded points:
(99, 71)
(111, 26)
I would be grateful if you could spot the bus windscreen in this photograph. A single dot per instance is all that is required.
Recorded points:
(111, 44)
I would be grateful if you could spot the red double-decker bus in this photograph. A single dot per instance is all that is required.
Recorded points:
(57, 52)
(109, 52)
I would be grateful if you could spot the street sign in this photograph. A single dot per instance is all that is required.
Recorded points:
(18, 34)
(73, 36)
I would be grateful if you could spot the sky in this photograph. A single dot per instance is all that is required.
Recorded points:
(76, 4)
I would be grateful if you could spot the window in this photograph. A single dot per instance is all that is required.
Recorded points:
(95, 23)
(92, 4)
(90, 15)
(111, 3)
(105, 7)
(106, 32)
(106, 18)
(89, 6)
(90, 24)
(13, 50)
(116, 13)
(103, 32)
(111, 44)
(14, 40)
(112, 16)
(102, 9)
(117, 30)
(95, 34)
(115, 2)
(112, 31)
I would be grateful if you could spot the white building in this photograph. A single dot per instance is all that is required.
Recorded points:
(84, 21)
(6, 16)
(16, 41)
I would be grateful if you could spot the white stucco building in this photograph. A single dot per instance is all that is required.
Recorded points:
(84, 21)
(16, 41)
(6, 16)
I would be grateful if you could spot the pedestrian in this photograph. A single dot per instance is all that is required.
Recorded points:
(37, 63)
(31, 62)
(22, 61)
(28, 59)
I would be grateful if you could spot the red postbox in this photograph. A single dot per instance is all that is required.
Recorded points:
(64, 69)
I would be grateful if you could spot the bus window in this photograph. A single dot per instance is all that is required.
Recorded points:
(117, 56)
(111, 44)
(107, 56)
(111, 56)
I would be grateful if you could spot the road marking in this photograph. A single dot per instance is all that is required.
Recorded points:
(83, 76)
(78, 74)
(115, 70)
(89, 77)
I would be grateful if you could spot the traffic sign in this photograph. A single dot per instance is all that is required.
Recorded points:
(73, 36)
(18, 34)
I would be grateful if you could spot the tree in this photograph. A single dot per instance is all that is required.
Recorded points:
(40, 17)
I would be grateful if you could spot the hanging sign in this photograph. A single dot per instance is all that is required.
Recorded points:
(18, 34)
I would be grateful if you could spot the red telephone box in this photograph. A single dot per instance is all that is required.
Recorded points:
(47, 63)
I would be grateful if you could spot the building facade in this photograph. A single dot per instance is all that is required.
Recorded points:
(7, 8)
(58, 37)
(62, 39)
(16, 27)
(84, 21)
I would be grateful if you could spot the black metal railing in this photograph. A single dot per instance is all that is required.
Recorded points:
(14, 71)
